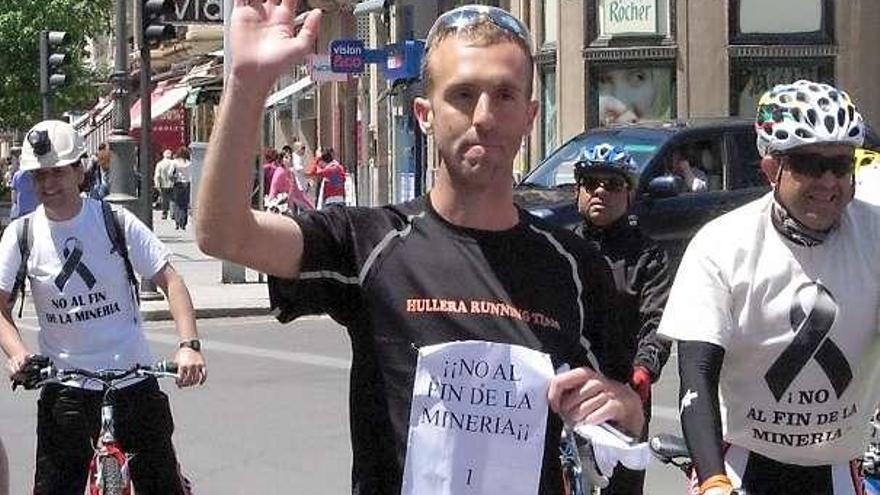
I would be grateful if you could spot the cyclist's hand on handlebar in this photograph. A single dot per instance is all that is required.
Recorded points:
(585, 395)
(15, 364)
(717, 485)
(28, 368)
(191, 368)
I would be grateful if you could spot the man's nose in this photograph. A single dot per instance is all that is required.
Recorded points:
(484, 115)
(828, 179)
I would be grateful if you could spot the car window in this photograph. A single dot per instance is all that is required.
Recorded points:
(745, 164)
(558, 168)
(697, 163)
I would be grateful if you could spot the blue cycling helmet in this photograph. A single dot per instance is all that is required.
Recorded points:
(606, 157)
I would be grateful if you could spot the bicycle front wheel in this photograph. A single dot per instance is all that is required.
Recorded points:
(111, 481)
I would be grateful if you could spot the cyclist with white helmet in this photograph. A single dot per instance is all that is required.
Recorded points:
(774, 309)
(79, 256)
(607, 177)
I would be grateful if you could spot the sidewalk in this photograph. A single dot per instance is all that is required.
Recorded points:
(211, 298)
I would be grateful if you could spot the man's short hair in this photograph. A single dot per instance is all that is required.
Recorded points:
(481, 33)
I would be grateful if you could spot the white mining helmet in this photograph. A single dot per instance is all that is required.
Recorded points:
(51, 143)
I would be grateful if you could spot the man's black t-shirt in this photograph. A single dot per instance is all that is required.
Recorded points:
(400, 277)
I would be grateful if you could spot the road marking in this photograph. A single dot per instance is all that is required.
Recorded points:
(233, 322)
(213, 345)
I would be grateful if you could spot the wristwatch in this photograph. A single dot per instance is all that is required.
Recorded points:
(193, 344)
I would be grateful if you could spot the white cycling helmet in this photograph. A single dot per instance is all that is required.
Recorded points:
(51, 143)
(804, 113)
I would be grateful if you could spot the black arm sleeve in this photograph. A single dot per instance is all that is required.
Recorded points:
(699, 366)
(654, 280)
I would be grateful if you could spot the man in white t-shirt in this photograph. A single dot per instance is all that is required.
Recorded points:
(775, 311)
(88, 315)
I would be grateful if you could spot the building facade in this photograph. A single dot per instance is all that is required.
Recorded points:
(607, 61)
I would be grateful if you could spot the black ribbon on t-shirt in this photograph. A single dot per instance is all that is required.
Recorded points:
(73, 262)
(811, 341)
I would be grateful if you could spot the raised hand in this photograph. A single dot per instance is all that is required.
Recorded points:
(263, 41)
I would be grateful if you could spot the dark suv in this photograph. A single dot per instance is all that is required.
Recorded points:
(723, 150)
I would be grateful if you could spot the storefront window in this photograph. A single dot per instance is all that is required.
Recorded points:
(548, 110)
(633, 93)
(781, 21)
(550, 27)
(751, 79)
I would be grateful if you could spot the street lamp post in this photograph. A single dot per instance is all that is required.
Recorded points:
(120, 143)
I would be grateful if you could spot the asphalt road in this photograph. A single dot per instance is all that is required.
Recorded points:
(272, 418)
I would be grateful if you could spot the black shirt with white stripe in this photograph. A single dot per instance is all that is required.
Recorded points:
(400, 277)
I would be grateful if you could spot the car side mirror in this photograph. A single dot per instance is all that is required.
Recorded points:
(665, 186)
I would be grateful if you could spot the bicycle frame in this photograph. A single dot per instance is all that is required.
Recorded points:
(108, 472)
(671, 450)
(108, 448)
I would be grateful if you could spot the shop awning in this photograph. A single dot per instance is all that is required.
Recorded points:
(165, 97)
(280, 95)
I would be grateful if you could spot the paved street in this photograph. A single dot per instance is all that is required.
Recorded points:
(272, 418)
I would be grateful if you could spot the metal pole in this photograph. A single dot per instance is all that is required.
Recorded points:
(122, 152)
(145, 159)
(44, 73)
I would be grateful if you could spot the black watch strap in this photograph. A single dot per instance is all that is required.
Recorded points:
(193, 344)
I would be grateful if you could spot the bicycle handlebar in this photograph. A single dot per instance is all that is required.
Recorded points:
(36, 378)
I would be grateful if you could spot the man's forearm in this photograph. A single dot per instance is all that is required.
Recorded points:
(10, 339)
(224, 191)
(180, 305)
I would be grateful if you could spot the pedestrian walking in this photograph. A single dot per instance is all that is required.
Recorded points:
(182, 181)
(163, 181)
(24, 197)
(331, 179)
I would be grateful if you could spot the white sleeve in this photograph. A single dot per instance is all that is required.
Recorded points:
(699, 305)
(147, 253)
(10, 257)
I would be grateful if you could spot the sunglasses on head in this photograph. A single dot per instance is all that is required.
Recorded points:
(610, 184)
(468, 15)
(815, 165)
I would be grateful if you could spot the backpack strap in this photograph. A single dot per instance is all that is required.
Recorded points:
(24, 231)
(116, 233)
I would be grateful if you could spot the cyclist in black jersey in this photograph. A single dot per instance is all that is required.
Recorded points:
(774, 308)
(607, 176)
(461, 265)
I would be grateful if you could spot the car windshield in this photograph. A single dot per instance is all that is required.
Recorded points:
(558, 169)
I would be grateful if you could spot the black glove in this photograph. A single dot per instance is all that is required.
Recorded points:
(31, 374)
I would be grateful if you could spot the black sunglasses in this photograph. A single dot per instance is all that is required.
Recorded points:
(815, 165)
(610, 184)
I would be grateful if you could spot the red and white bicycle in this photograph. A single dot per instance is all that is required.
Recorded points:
(108, 469)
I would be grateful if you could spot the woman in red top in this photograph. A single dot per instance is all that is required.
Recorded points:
(332, 176)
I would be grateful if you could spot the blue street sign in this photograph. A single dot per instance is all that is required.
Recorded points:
(347, 56)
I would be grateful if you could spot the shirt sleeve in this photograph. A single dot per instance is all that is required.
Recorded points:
(147, 253)
(653, 279)
(699, 306)
(328, 281)
(10, 257)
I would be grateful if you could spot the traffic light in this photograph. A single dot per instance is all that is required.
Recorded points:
(153, 27)
(51, 61)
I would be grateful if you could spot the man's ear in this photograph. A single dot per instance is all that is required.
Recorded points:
(533, 113)
(424, 113)
(770, 167)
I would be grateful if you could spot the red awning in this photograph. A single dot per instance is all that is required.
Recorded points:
(166, 96)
